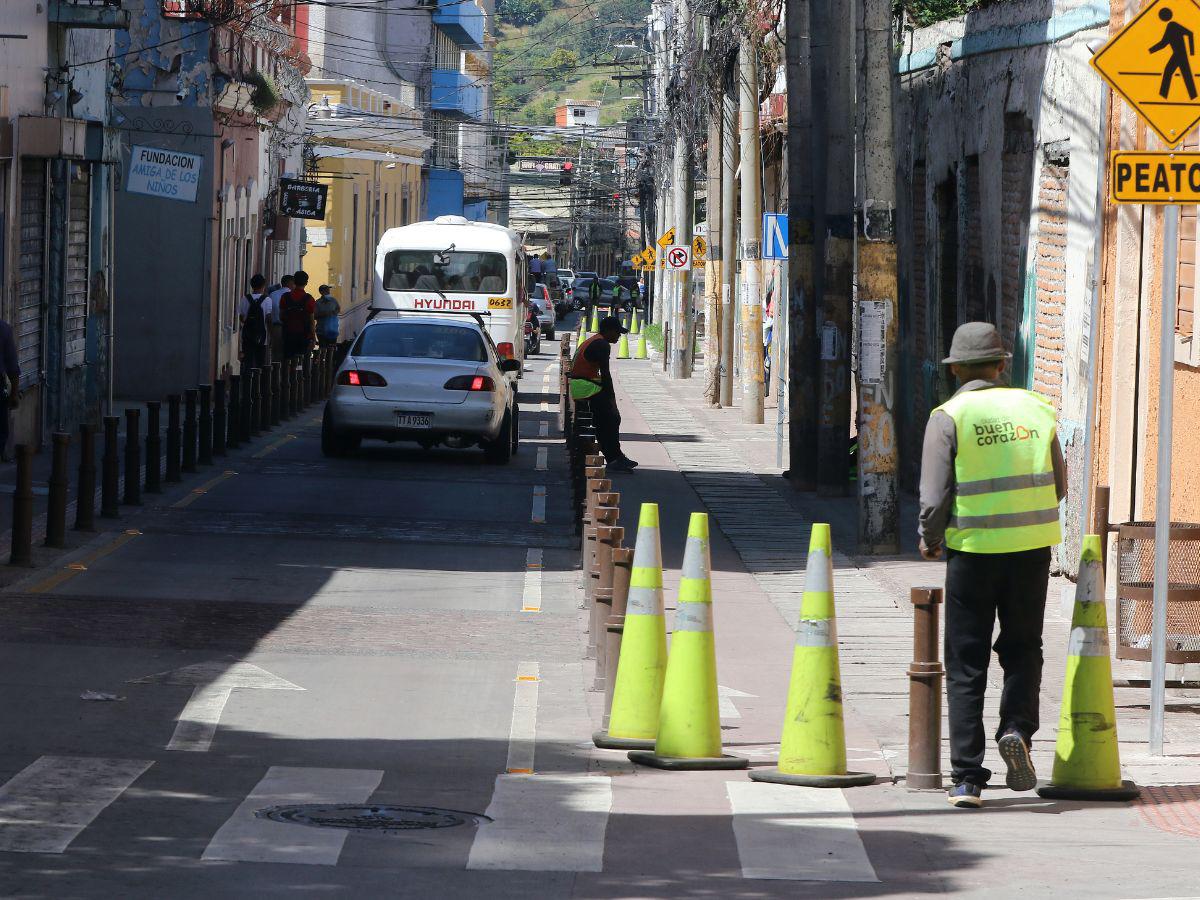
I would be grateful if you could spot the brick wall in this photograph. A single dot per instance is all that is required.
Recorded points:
(1016, 174)
(1051, 279)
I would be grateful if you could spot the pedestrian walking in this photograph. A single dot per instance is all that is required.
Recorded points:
(328, 317)
(286, 283)
(992, 475)
(10, 396)
(297, 315)
(254, 312)
(535, 268)
(591, 384)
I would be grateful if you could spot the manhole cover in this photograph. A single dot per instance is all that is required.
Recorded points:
(370, 818)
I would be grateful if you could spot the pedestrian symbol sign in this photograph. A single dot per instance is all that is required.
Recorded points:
(1152, 63)
(667, 239)
(699, 247)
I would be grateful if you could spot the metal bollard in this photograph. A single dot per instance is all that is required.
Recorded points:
(153, 447)
(174, 445)
(264, 399)
(309, 381)
(285, 391)
(85, 502)
(56, 501)
(255, 412)
(110, 475)
(925, 694)
(133, 457)
(189, 430)
(22, 509)
(615, 626)
(205, 453)
(247, 412)
(608, 539)
(605, 515)
(220, 418)
(233, 438)
(276, 387)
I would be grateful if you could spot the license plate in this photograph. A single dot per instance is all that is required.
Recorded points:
(413, 420)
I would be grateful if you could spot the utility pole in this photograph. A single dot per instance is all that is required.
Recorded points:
(837, 284)
(729, 164)
(803, 345)
(751, 288)
(712, 262)
(878, 453)
(684, 191)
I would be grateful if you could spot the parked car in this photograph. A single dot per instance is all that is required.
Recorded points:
(566, 276)
(544, 310)
(425, 378)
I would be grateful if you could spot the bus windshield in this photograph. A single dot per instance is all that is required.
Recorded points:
(462, 272)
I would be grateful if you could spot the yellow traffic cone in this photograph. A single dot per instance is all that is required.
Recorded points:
(636, 326)
(1087, 763)
(689, 724)
(812, 750)
(637, 692)
(640, 352)
(623, 347)
(595, 319)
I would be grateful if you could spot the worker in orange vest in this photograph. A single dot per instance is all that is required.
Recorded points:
(592, 386)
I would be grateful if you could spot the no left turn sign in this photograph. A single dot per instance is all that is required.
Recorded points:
(679, 257)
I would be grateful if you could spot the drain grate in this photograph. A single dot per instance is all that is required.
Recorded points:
(370, 818)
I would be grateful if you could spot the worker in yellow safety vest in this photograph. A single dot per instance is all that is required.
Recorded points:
(992, 476)
(591, 386)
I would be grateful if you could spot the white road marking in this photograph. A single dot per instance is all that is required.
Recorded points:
(538, 516)
(544, 430)
(552, 823)
(725, 707)
(48, 803)
(543, 458)
(794, 834)
(522, 734)
(531, 596)
(213, 683)
(246, 838)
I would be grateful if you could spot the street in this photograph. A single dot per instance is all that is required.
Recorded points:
(377, 631)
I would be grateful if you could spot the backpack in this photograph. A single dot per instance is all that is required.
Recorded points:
(293, 315)
(254, 331)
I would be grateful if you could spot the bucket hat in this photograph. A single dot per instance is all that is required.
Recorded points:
(976, 342)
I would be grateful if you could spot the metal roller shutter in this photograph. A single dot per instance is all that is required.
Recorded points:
(76, 287)
(31, 278)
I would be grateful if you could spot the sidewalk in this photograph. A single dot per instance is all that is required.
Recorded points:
(731, 468)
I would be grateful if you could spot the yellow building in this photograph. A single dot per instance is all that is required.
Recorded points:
(368, 148)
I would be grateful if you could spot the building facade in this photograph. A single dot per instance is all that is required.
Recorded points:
(58, 149)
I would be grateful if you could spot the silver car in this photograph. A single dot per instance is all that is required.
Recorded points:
(424, 378)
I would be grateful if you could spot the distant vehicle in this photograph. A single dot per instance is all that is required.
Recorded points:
(544, 309)
(457, 266)
(551, 280)
(566, 276)
(433, 379)
(533, 332)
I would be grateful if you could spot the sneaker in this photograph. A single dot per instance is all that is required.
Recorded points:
(629, 462)
(1013, 750)
(965, 796)
(621, 465)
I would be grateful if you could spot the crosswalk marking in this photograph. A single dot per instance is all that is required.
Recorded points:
(246, 838)
(551, 823)
(48, 803)
(796, 834)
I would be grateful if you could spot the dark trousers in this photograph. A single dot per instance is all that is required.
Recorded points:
(607, 421)
(258, 357)
(981, 587)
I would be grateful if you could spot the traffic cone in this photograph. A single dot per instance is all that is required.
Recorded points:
(812, 750)
(1087, 763)
(689, 723)
(640, 352)
(635, 327)
(637, 692)
(623, 347)
(595, 319)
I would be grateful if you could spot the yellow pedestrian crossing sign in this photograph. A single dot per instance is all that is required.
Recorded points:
(699, 248)
(649, 256)
(667, 239)
(1152, 63)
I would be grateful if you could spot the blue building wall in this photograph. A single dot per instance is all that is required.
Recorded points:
(462, 20)
(476, 211)
(456, 93)
(445, 193)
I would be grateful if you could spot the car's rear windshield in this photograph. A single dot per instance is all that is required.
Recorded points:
(460, 272)
(420, 340)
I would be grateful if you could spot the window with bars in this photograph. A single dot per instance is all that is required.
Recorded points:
(446, 53)
(444, 132)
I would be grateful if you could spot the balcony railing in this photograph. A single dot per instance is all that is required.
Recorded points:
(88, 14)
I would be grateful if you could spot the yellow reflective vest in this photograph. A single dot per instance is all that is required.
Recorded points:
(1005, 499)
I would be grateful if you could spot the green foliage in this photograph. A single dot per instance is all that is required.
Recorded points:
(654, 336)
(522, 12)
(927, 12)
(560, 64)
(266, 95)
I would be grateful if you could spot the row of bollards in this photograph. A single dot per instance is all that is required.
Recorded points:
(203, 423)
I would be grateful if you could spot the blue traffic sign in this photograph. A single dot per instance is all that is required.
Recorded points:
(775, 236)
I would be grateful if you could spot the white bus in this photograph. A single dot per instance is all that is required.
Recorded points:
(453, 265)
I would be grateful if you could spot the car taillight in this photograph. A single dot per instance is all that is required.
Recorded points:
(470, 383)
(361, 378)
(505, 350)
